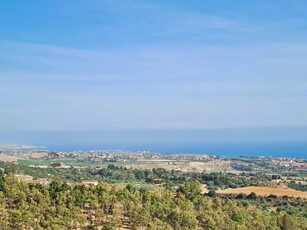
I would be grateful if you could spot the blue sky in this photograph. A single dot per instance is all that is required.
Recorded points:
(113, 65)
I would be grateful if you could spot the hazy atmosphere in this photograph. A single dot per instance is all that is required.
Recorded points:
(157, 75)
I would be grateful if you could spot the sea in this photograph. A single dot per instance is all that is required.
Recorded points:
(253, 142)
(287, 150)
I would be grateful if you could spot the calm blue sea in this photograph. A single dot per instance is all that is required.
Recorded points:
(298, 150)
(276, 141)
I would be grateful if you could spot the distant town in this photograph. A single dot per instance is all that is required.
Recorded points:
(26, 157)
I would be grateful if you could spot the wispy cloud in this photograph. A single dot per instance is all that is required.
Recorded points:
(155, 64)
(110, 64)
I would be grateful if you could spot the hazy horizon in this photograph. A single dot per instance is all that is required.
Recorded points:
(266, 141)
(155, 65)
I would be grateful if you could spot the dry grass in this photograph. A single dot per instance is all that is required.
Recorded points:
(8, 158)
(37, 155)
(182, 165)
(265, 191)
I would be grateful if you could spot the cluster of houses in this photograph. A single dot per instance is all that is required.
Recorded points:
(298, 164)
(44, 181)
(29, 179)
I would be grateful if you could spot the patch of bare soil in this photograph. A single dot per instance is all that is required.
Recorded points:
(37, 155)
(265, 191)
(8, 158)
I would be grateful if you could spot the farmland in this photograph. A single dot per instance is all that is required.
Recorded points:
(183, 180)
(265, 191)
(8, 158)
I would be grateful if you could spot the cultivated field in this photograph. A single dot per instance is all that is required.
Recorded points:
(265, 191)
(8, 158)
(38, 155)
(182, 165)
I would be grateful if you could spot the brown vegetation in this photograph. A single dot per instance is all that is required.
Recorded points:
(265, 191)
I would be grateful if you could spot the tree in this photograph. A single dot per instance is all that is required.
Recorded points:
(190, 189)
(212, 193)
(287, 222)
(252, 195)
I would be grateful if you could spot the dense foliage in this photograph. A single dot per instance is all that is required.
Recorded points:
(298, 186)
(292, 205)
(61, 206)
(116, 174)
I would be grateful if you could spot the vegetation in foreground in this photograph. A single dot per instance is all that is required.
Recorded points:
(61, 206)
